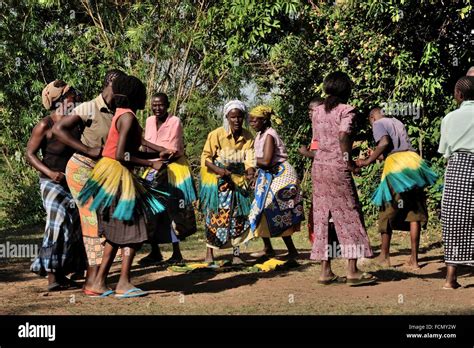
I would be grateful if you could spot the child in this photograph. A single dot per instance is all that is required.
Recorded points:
(400, 193)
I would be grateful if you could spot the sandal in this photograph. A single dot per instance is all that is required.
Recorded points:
(91, 293)
(364, 279)
(334, 280)
(135, 292)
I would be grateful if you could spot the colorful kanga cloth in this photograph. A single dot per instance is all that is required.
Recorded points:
(226, 204)
(277, 210)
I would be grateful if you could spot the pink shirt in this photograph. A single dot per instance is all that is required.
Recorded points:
(279, 155)
(169, 135)
(326, 128)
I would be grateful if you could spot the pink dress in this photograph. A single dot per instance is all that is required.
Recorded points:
(334, 191)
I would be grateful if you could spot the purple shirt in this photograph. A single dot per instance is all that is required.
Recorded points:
(395, 130)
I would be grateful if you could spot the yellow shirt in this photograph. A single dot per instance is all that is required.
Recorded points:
(221, 146)
(97, 119)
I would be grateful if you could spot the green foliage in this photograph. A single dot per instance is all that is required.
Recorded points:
(197, 52)
(203, 52)
(396, 53)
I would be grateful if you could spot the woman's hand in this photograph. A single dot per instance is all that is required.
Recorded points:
(361, 163)
(167, 154)
(222, 172)
(56, 176)
(303, 150)
(250, 174)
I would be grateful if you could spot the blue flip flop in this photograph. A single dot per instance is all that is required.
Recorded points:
(135, 292)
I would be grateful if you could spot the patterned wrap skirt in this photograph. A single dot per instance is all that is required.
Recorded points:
(457, 209)
(62, 249)
(78, 170)
(277, 210)
(226, 205)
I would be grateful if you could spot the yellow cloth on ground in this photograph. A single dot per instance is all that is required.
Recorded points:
(269, 265)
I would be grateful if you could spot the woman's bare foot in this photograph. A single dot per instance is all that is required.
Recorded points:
(383, 261)
(98, 288)
(326, 276)
(412, 264)
(123, 287)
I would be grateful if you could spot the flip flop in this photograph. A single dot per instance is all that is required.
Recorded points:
(334, 280)
(364, 279)
(135, 292)
(90, 293)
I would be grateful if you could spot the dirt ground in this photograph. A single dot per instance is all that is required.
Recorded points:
(277, 292)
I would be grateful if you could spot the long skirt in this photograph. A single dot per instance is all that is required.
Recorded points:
(335, 195)
(277, 209)
(179, 220)
(62, 249)
(124, 201)
(226, 204)
(457, 209)
(78, 170)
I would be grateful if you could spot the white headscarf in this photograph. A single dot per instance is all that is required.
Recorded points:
(233, 104)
